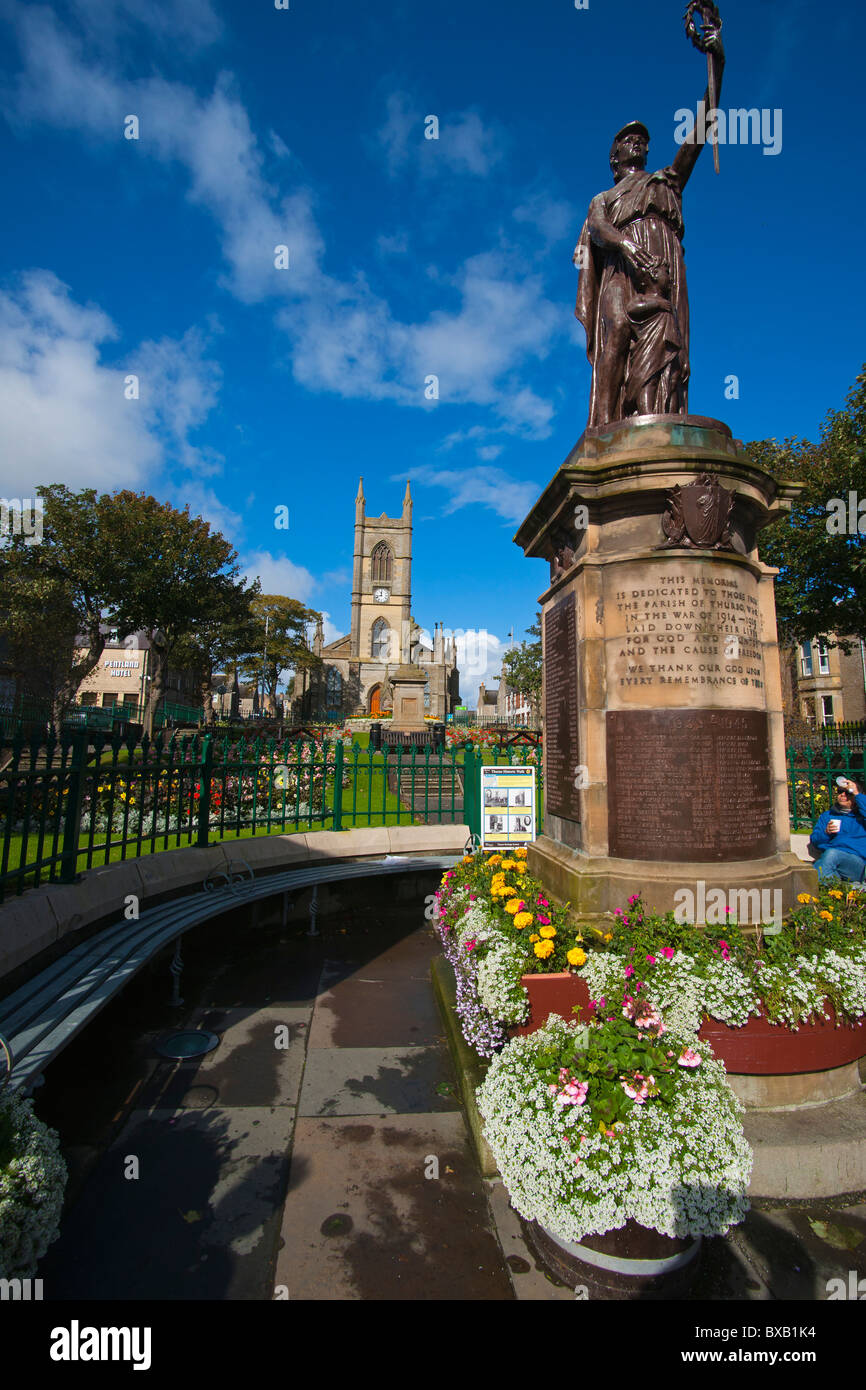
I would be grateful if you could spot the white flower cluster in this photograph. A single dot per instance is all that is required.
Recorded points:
(684, 991)
(846, 975)
(32, 1182)
(498, 968)
(682, 1170)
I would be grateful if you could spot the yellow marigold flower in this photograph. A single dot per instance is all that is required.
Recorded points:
(852, 897)
(543, 949)
(608, 936)
(547, 930)
(521, 868)
(520, 854)
(513, 905)
(576, 956)
(813, 900)
(523, 919)
(535, 937)
(834, 893)
(804, 898)
(827, 916)
(495, 859)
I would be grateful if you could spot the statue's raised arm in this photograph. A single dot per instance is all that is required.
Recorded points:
(709, 40)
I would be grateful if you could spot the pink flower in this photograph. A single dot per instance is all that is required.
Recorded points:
(545, 921)
(650, 960)
(688, 1058)
(629, 971)
(542, 902)
(470, 945)
(631, 950)
(667, 952)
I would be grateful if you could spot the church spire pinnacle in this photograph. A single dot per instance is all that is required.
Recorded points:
(407, 501)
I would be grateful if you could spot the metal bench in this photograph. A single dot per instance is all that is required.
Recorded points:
(39, 1019)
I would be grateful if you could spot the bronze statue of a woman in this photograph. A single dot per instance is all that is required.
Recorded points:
(631, 297)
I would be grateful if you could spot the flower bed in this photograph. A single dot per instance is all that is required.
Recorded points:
(594, 1126)
(32, 1181)
(811, 971)
(496, 926)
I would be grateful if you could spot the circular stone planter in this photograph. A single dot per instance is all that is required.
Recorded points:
(761, 1048)
(631, 1263)
(552, 994)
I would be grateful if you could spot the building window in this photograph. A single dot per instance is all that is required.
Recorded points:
(827, 709)
(109, 699)
(382, 563)
(88, 697)
(806, 658)
(334, 688)
(823, 659)
(380, 640)
(131, 700)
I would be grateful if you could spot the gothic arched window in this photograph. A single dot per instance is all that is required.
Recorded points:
(382, 563)
(334, 688)
(380, 641)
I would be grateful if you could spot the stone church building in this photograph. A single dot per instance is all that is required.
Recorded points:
(354, 676)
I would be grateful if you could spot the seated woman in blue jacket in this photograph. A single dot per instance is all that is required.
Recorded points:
(838, 842)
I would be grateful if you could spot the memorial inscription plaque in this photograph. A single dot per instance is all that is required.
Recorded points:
(689, 785)
(560, 710)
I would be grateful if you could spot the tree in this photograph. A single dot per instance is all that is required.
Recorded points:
(279, 641)
(819, 550)
(521, 666)
(56, 592)
(174, 578)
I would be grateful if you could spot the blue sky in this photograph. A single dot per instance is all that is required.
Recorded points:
(408, 257)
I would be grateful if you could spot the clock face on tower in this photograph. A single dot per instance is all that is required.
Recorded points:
(381, 595)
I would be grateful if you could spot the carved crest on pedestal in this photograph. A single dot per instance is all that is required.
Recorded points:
(563, 553)
(698, 515)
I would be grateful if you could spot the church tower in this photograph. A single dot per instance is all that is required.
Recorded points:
(381, 583)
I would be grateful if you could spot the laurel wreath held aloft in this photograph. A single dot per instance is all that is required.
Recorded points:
(708, 14)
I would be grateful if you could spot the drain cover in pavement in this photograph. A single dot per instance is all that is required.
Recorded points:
(193, 1042)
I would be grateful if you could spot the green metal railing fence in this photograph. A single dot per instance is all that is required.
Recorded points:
(90, 798)
(812, 773)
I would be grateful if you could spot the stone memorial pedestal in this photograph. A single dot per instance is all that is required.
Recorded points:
(664, 758)
(407, 685)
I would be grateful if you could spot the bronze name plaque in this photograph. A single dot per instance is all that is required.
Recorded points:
(561, 738)
(689, 785)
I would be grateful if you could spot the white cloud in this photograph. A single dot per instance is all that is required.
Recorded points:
(479, 658)
(464, 145)
(486, 487)
(179, 387)
(203, 502)
(279, 575)
(555, 219)
(343, 337)
(66, 417)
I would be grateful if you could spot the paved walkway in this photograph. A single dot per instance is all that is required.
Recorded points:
(319, 1152)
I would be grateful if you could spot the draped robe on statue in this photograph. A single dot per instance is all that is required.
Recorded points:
(647, 208)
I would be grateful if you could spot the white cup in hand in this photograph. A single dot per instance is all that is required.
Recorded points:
(833, 826)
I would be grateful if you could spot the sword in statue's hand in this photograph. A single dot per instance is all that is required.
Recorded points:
(711, 26)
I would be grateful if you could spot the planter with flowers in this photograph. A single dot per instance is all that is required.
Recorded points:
(777, 1002)
(32, 1182)
(621, 1143)
(508, 946)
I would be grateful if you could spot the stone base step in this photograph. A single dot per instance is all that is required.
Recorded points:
(817, 1151)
